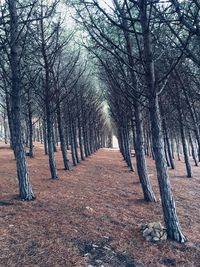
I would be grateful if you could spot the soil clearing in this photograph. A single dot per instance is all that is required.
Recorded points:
(92, 215)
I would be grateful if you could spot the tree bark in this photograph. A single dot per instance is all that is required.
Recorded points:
(140, 158)
(49, 124)
(193, 149)
(30, 132)
(25, 188)
(62, 139)
(184, 144)
(174, 230)
(169, 151)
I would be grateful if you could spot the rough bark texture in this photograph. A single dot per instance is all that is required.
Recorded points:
(193, 150)
(140, 159)
(62, 139)
(49, 125)
(174, 230)
(25, 189)
(169, 150)
(30, 132)
(52, 162)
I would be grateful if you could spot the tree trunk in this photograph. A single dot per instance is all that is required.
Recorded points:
(140, 158)
(169, 151)
(10, 122)
(185, 146)
(193, 150)
(50, 141)
(25, 188)
(174, 230)
(166, 153)
(80, 139)
(62, 139)
(45, 137)
(75, 141)
(30, 132)
(74, 159)
(5, 128)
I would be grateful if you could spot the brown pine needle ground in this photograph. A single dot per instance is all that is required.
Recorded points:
(98, 200)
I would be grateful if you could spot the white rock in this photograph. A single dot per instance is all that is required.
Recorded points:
(89, 208)
(147, 231)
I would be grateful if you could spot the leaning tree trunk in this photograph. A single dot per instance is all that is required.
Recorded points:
(25, 188)
(140, 158)
(174, 230)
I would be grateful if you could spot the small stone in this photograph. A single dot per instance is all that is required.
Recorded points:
(148, 238)
(143, 227)
(87, 255)
(89, 208)
(164, 236)
(107, 248)
(98, 261)
(156, 238)
(147, 231)
(151, 225)
(157, 233)
(158, 225)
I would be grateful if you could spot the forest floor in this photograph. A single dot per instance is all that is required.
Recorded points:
(92, 215)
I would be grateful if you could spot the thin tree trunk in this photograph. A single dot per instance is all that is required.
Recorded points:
(45, 137)
(75, 142)
(193, 150)
(50, 141)
(185, 146)
(30, 132)
(5, 128)
(62, 139)
(168, 147)
(166, 154)
(9, 115)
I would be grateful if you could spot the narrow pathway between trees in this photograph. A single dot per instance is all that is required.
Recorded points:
(91, 216)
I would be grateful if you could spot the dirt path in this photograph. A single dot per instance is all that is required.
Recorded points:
(92, 215)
